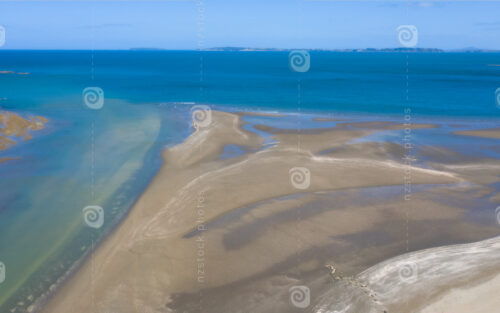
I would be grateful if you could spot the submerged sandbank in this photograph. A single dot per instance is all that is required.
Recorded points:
(485, 133)
(14, 127)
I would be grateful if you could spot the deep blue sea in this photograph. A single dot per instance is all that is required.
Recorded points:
(445, 84)
(107, 157)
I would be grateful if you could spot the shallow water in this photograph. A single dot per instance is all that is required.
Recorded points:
(107, 157)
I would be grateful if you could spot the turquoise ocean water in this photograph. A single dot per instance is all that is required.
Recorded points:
(107, 157)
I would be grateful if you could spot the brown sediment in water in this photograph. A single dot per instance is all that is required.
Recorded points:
(8, 159)
(368, 126)
(6, 143)
(265, 114)
(15, 126)
(327, 119)
(220, 234)
(485, 133)
(380, 125)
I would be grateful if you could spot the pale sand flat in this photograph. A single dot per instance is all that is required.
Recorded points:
(481, 298)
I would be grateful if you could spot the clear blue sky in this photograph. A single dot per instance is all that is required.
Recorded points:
(251, 23)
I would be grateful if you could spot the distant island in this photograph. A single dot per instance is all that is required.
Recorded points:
(399, 49)
(330, 50)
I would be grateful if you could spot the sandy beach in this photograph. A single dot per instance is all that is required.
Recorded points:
(214, 234)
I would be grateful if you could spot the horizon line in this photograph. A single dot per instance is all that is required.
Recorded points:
(251, 49)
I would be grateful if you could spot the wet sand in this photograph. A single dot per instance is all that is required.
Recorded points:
(212, 234)
(485, 133)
